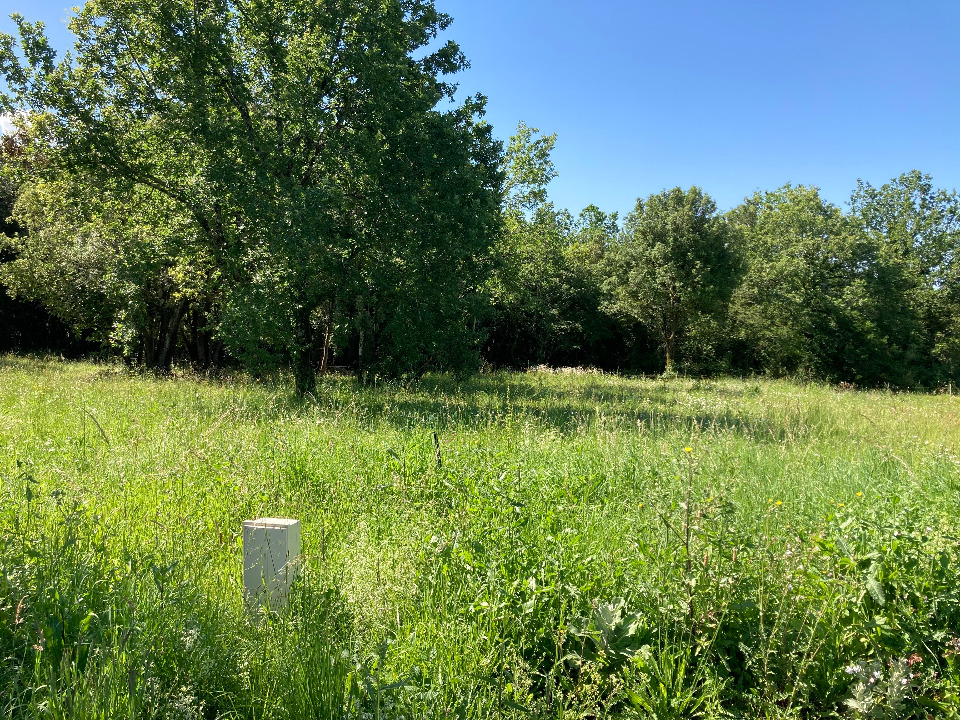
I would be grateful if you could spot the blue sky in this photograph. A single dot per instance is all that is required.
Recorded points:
(731, 95)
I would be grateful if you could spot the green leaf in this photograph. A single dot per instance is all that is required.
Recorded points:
(876, 590)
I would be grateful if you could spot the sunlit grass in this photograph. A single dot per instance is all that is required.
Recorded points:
(453, 577)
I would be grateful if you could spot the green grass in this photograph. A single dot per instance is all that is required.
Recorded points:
(566, 558)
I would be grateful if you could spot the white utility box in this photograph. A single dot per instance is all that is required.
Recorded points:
(271, 555)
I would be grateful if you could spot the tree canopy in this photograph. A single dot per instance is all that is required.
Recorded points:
(674, 266)
(293, 134)
(296, 184)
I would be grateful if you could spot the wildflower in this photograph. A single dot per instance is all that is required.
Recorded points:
(840, 505)
(640, 506)
(859, 494)
(769, 500)
(852, 669)
(688, 449)
(779, 503)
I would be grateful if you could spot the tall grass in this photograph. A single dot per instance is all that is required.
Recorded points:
(510, 545)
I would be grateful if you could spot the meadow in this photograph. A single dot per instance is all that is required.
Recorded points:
(545, 544)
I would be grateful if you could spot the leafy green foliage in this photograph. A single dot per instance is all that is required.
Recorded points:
(918, 230)
(545, 286)
(290, 184)
(528, 169)
(119, 265)
(820, 298)
(674, 267)
(284, 132)
(27, 324)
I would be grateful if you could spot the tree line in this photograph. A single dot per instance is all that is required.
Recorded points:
(292, 184)
(785, 284)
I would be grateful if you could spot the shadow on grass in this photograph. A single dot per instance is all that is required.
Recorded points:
(567, 406)
(566, 403)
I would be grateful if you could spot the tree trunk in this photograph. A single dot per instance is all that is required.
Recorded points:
(673, 321)
(198, 336)
(165, 356)
(304, 375)
(327, 338)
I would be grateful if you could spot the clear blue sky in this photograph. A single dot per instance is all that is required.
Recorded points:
(731, 95)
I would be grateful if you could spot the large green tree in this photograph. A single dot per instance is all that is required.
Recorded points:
(545, 288)
(674, 266)
(418, 291)
(273, 126)
(121, 266)
(917, 228)
(26, 324)
(524, 285)
(820, 297)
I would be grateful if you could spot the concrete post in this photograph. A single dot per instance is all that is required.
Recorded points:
(271, 555)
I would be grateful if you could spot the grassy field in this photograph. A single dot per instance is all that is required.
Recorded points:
(572, 545)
